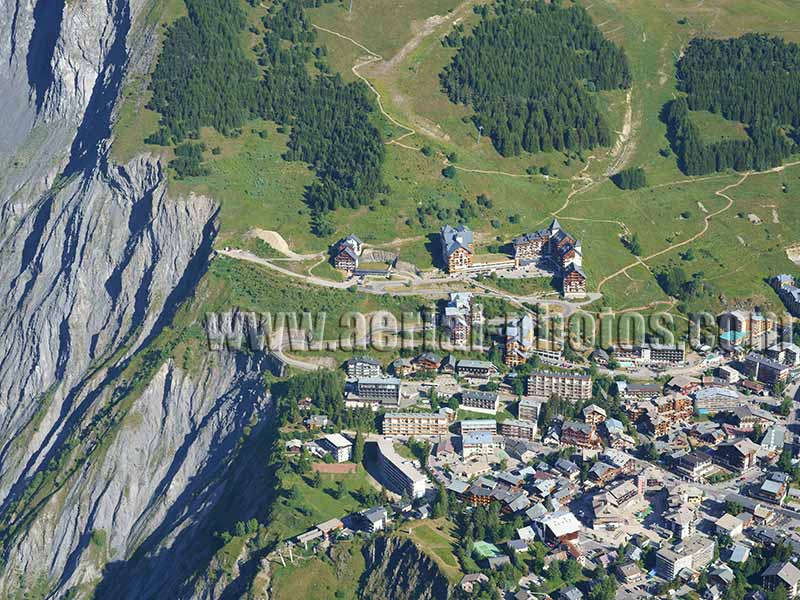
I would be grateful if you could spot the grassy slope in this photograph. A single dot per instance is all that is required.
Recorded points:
(436, 539)
(315, 579)
(257, 188)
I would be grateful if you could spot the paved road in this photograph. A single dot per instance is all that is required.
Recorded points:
(415, 289)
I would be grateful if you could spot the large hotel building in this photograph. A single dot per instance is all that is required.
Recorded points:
(399, 473)
(564, 385)
(406, 424)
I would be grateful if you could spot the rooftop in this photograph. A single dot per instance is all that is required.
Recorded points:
(338, 440)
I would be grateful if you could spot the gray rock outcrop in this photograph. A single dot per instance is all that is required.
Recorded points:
(106, 481)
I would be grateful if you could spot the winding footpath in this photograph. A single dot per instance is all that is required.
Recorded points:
(722, 193)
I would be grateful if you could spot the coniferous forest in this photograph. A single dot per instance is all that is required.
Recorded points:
(203, 78)
(528, 70)
(754, 79)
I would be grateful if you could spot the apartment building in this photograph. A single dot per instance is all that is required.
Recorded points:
(477, 401)
(461, 314)
(558, 247)
(708, 401)
(642, 391)
(517, 429)
(520, 339)
(652, 354)
(340, 448)
(476, 369)
(789, 293)
(582, 435)
(401, 475)
(478, 425)
(573, 282)
(594, 415)
(571, 386)
(480, 443)
(362, 367)
(384, 389)
(695, 466)
(682, 521)
(785, 353)
(766, 370)
(693, 554)
(407, 424)
(458, 248)
(529, 407)
(666, 412)
(665, 354)
(740, 327)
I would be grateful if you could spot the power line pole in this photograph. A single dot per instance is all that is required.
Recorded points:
(350, 11)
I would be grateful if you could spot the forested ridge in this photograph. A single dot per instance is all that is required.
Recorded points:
(528, 69)
(203, 78)
(754, 79)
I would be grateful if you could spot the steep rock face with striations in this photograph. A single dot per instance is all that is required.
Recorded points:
(398, 570)
(96, 258)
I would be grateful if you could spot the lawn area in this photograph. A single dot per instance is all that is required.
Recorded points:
(523, 287)
(250, 287)
(311, 505)
(383, 26)
(715, 127)
(315, 579)
(501, 415)
(436, 539)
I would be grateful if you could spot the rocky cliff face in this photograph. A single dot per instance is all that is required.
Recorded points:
(96, 258)
(397, 570)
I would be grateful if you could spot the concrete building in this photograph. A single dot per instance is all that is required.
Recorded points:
(594, 415)
(477, 401)
(738, 455)
(480, 443)
(727, 374)
(693, 554)
(339, 446)
(476, 369)
(782, 574)
(712, 400)
(529, 407)
(386, 390)
(766, 370)
(557, 527)
(682, 521)
(374, 519)
(407, 424)
(478, 426)
(695, 466)
(400, 474)
(570, 386)
(786, 353)
(729, 525)
(362, 367)
(518, 429)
